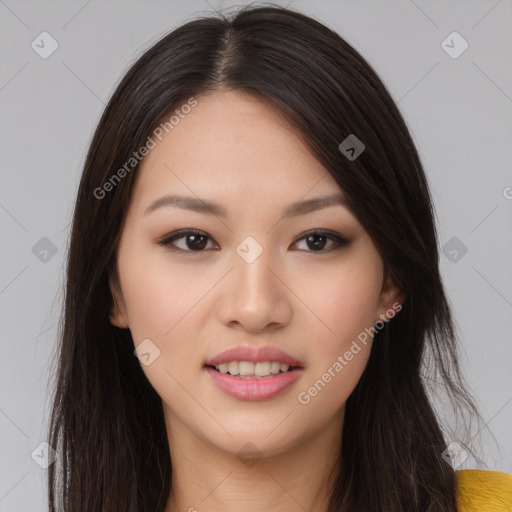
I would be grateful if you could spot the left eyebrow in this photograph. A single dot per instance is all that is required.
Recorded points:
(187, 203)
(310, 205)
(204, 206)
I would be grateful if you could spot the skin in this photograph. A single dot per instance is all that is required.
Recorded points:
(238, 151)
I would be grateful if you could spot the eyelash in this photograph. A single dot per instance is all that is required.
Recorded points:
(167, 241)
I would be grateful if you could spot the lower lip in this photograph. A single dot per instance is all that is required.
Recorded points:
(261, 388)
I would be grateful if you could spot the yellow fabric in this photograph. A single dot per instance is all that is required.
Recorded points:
(484, 491)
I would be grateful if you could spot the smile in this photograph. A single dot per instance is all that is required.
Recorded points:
(248, 369)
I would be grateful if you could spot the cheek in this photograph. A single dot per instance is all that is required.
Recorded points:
(159, 299)
(343, 301)
(340, 348)
(347, 301)
(157, 295)
(168, 305)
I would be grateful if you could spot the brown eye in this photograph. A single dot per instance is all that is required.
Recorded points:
(193, 241)
(316, 241)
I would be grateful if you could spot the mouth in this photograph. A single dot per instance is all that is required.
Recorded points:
(249, 373)
(253, 370)
(251, 382)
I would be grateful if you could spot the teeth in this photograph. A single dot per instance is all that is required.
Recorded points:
(248, 368)
(275, 367)
(262, 369)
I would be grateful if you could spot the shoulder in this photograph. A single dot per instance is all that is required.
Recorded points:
(483, 491)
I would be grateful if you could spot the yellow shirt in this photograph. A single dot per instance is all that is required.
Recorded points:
(483, 491)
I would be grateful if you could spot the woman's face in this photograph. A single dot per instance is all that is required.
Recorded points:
(251, 276)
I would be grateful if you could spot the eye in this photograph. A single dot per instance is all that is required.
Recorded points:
(317, 240)
(196, 241)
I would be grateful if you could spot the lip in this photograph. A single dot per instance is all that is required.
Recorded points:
(256, 389)
(255, 355)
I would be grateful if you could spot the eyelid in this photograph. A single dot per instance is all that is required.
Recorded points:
(335, 237)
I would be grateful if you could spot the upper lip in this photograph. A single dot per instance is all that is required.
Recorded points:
(253, 354)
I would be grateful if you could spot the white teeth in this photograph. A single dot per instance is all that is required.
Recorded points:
(262, 369)
(223, 368)
(248, 368)
(275, 367)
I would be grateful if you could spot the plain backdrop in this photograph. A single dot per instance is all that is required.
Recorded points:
(458, 107)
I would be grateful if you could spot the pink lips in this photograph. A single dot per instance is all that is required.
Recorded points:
(257, 389)
(254, 389)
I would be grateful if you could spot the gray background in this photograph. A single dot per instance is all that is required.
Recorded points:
(458, 109)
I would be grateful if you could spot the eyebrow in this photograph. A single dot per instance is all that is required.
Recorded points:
(208, 207)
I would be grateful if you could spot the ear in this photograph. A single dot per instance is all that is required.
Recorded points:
(118, 316)
(391, 298)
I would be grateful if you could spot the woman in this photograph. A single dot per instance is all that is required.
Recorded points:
(254, 313)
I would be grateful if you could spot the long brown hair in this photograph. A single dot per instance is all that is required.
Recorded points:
(107, 421)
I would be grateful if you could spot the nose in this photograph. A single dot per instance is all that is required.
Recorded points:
(254, 296)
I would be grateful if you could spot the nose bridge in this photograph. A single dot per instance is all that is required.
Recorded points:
(254, 280)
(255, 297)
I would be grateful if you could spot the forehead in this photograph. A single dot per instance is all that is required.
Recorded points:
(236, 148)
